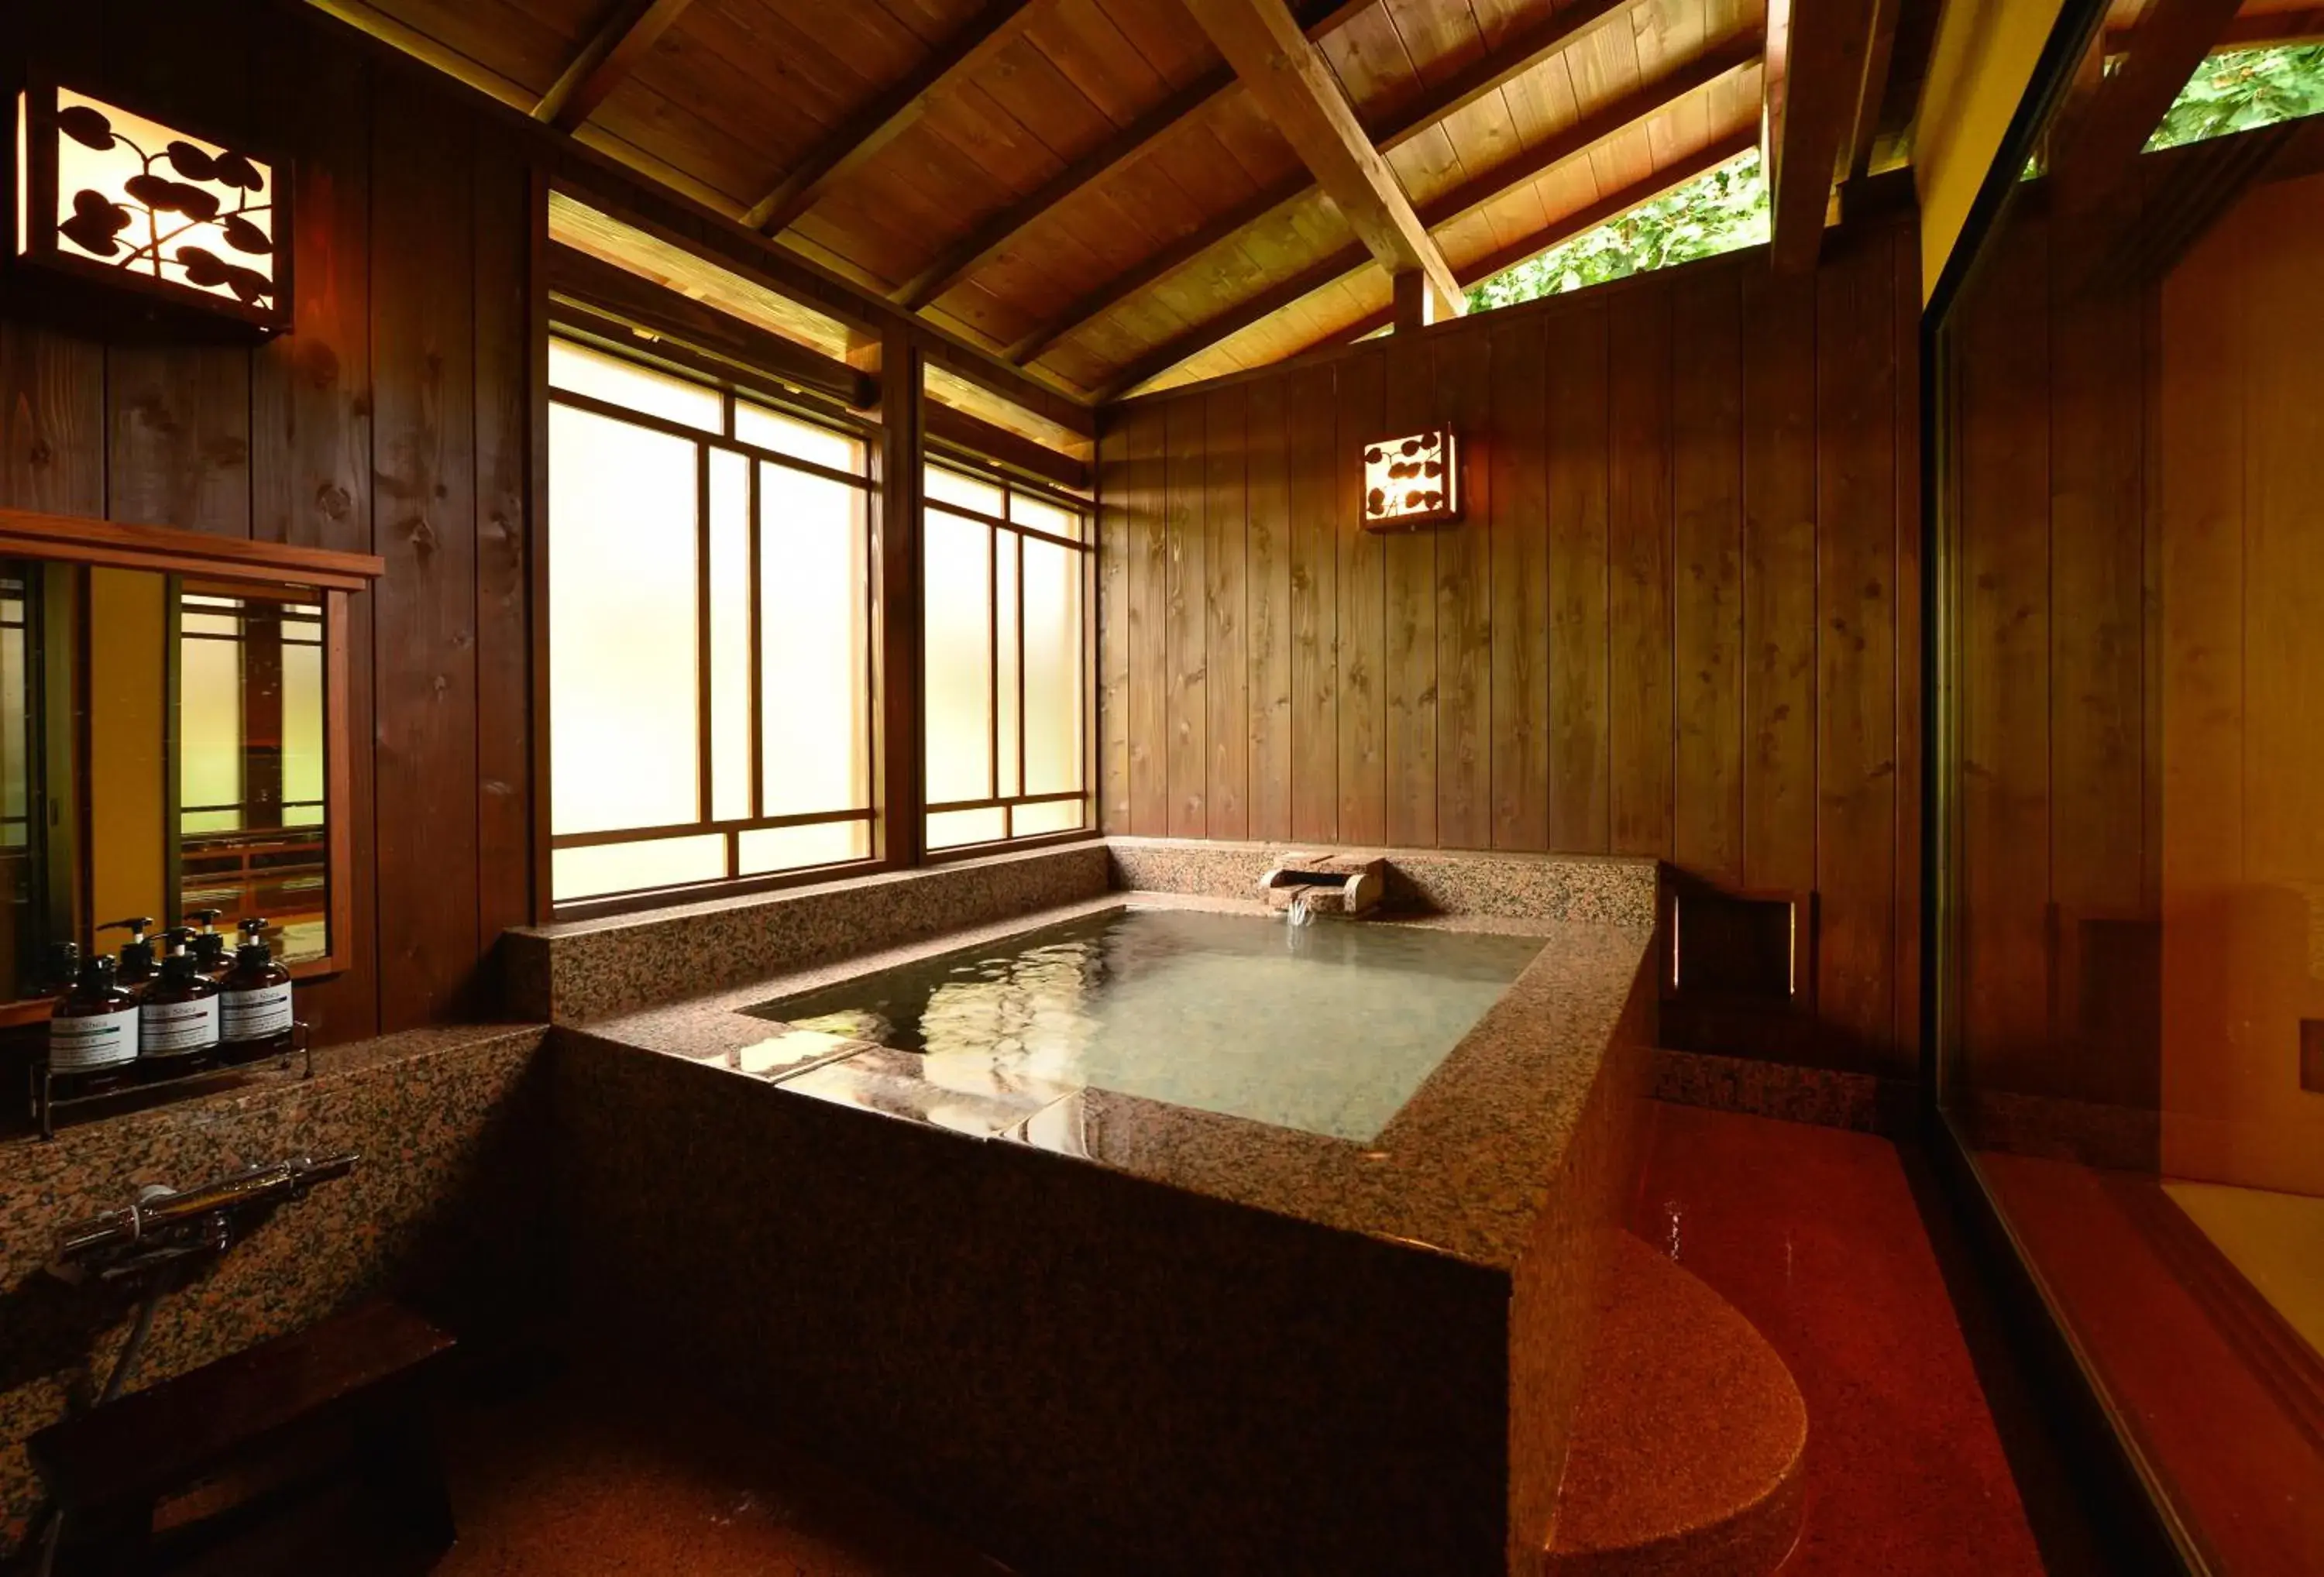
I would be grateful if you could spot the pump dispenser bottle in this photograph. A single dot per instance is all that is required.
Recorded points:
(136, 954)
(178, 1016)
(254, 1021)
(208, 946)
(92, 1025)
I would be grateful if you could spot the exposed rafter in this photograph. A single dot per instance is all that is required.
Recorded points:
(959, 261)
(1353, 259)
(2099, 151)
(888, 116)
(1462, 89)
(612, 53)
(1294, 85)
(1814, 104)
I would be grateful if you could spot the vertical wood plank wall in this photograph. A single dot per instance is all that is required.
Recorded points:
(393, 421)
(1679, 617)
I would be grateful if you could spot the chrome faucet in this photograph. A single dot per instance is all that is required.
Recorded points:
(164, 1225)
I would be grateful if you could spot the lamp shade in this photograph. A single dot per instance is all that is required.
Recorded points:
(113, 196)
(1412, 480)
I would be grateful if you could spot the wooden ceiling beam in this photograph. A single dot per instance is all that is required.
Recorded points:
(1455, 92)
(1574, 142)
(1203, 336)
(2257, 31)
(1813, 103)
(1294, 84)
(612, 53)
(887, 116)
(989, 240)
(2098, 152)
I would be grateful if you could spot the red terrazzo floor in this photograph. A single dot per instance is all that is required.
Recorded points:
(1815, 1235)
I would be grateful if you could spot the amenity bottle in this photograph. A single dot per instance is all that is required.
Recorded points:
(92, 1044)
(136, 971)
(255, 1014)
(208, 946)
(178, 1016)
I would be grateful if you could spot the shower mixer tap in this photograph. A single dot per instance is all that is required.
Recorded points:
(165, 1225)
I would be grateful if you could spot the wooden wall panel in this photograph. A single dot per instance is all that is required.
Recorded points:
(1225, 556)
(1671, 622)
(1267, 594)
(1186, 625)
(1312, 460)
(52, 446)
(1114, 532)
(1641, 721)
(1707, 606)
(1464, 604)
(1579, 591)
(1518, 629)
(1146, 441)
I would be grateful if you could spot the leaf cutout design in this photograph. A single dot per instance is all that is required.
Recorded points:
(86, 126)
(203, 267)
(231, 168)
(165, 196)
(248, 283)
(96, 221)
(245, 237)
(191, 162)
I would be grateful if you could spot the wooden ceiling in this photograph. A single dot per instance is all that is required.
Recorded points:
(1087, 189)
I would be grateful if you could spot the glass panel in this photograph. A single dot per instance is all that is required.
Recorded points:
(1053, 668)
(1027, 510)
(730, 636)
(210, 733)
(303, 762)
(610, 868)
(793, 848)
(622, 704)
(957, 634)
(584, 371)
(1006, 651)
(815, 654)
(1055, 815)
(943, 485)
(952, 829)
(787, 435)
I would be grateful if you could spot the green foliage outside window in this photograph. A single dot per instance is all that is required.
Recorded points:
(2238, 90)
(1713, 213)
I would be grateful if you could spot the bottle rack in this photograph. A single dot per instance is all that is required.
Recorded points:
(47, 1105)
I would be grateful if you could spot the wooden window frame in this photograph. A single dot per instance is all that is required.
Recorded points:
(1011, 482)
(580, 327)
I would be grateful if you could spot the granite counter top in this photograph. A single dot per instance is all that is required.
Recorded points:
(1464, 1168)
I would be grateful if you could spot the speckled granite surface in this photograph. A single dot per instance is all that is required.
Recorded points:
(451, 1131)
(577, 971)
(1542, 887)
(1827, 1097)
(1480, 1208)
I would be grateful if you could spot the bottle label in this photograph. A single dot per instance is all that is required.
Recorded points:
(80, 1046)
(175, 1028)
(255, 1014)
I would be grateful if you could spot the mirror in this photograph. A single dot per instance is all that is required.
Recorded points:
(165, 748)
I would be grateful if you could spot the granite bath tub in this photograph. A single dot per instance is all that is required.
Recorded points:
(1098, 1320)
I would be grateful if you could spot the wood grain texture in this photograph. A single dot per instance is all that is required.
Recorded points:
(1706, 595)
(1463, 595)
(1779, 581)
(1313, 455)
(1580, 592)
(1408, 660)
(1147, 573)
(1267, 618)
(1225, 560)
(1113, 546)
(1639, 524)
(1518, 549)
(1362, 711)
(1186, 625)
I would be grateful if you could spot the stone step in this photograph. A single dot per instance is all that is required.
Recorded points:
(1690, 1444)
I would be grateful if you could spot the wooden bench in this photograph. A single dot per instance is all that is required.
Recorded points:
(364, 1374)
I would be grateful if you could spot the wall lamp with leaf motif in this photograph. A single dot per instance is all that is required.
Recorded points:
(108, 196)
(1412, 480)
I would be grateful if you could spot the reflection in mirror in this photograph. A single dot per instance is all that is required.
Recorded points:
(163, 751)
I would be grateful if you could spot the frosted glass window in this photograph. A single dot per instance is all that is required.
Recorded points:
(1050, 816)
(730, 636)
(792, 848)
(710, 638)
(597, 869)
(210, 733)
(957, 640)
(623, 704)
(302, 734)
(1008, 652)
(582, 371)
(945, 485)
(1041, 515)
(816, 674)
(950, 829)
(1052, 667)
(805, 440)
